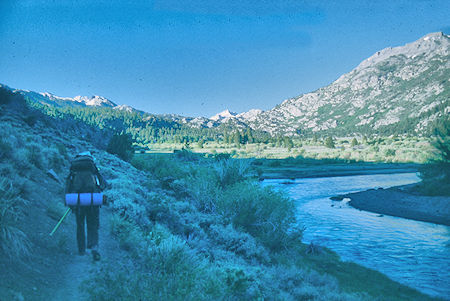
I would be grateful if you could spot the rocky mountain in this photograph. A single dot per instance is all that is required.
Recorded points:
(228, 118)
(223, 115)
(249, 116)
(396, 90)
(51, 99)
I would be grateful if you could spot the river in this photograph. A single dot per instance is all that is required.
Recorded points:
(411, 252)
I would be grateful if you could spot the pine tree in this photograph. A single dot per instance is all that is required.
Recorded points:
(121, 145)
(248, 136)
(288, 143)
(329, 142)
(200, 143)
(237, 138)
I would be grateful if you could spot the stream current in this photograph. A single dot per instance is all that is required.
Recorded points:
(411, 252)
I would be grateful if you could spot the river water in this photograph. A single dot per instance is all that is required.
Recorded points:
(413, 253)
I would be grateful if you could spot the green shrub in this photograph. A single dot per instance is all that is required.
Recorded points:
(6, 149)
(35, 156)
(21, 162)
(436, 176)
(239, 243)
(62, 149)
(237, 281)
(161, 166)
(176, 215)
(375, 148)
(55, 160)
(168, 269)
(389, 152)
(127, 201)
(117, 283)
(435, 179)
(187, 155)
(261, 211)
(203, 189)
(129, 236)
(231, 171)
(178, 273)
(160, 208)
(13, 241)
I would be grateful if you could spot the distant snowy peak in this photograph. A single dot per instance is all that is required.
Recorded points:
(49, 98)
(223, 115)
(227, 115)
(95, 101)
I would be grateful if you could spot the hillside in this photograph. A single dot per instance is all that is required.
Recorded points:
(397, 90)
(177, 227)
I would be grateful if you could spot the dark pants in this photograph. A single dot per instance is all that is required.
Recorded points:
(90, 214)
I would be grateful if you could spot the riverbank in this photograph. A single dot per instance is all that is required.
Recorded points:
(318, 169)
(403, 201)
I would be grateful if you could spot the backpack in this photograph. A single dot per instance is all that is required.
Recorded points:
(83, 175)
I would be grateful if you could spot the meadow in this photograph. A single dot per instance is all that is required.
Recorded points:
(393, 149)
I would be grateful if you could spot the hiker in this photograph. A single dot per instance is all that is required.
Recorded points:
(85, 180)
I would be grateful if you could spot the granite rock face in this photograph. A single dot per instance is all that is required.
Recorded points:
(395, 90)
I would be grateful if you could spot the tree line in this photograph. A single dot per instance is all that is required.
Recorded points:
(145, 128)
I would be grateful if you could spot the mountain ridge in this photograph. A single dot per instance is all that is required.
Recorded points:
(52, 99)
(388, 77)
(396, 90)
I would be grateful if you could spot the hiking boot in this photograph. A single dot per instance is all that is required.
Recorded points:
(95, 255)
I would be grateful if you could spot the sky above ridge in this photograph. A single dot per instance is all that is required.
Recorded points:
(197, 58)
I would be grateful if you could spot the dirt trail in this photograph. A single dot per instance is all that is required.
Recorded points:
(79, 268)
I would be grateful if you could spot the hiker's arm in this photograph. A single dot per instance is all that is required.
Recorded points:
(101, 180)
(68, 182)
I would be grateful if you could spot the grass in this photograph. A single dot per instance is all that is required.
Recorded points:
(25, 156)
(13, 241)
(355, 278)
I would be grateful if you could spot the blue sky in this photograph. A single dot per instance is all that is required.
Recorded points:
(197, 58)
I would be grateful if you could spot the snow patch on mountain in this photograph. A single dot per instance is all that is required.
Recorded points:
(95, 100)
(51, 99)
(223, 115)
